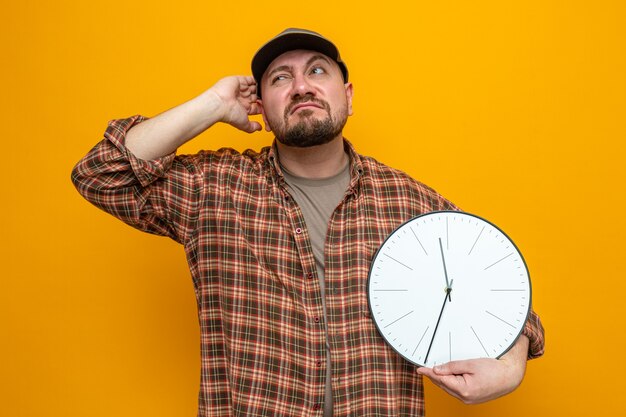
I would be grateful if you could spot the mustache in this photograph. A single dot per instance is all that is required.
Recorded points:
(306, 99)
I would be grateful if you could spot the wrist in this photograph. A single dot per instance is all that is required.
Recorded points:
(516, 359)
(211, 107)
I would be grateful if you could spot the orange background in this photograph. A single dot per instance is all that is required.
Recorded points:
(515, 110)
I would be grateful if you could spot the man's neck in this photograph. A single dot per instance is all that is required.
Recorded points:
(314, 162)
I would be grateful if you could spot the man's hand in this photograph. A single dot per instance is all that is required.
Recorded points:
(231, 100)
(237, 95)
(478, 380)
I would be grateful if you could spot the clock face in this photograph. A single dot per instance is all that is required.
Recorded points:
(448, 286)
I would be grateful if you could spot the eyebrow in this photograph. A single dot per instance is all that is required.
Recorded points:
(308, 63)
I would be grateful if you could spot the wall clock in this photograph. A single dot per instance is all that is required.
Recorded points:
(446, 286)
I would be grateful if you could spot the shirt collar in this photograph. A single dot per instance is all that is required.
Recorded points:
(356, 165)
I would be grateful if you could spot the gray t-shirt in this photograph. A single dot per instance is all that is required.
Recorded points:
(318, 199)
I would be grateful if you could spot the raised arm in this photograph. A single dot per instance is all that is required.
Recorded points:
(231, 100)
(133, 174)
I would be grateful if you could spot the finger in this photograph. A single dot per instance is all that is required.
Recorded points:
(248, 100)
(247, 93)
(426, 371)
(247, 83)
(252, 127)
(447, 380)
(455, 368)
(452, 384)
(254, 109)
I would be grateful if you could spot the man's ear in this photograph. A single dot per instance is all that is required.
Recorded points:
(349, 93)
(260, 104)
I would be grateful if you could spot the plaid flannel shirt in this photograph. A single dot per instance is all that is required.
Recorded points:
(263, 335)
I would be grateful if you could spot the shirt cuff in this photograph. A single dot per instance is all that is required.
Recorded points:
(145, 171)
(533, 329)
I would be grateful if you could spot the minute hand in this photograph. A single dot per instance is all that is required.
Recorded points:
(445, 270)
(443, 306)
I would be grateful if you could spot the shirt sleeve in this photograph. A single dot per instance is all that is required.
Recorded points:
(533, 329)
(159, 196)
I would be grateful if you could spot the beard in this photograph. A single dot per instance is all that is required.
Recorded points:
(309, 131)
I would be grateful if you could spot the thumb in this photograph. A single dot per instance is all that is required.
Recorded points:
(252, 127)
(453, 368)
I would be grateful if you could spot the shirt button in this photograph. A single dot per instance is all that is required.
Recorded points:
(318, 363)
(309, 275)
(316, 407)
(298, 230)
(316, 319)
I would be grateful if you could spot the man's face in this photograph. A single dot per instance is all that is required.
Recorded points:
(305, 101)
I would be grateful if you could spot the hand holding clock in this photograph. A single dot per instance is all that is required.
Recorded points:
(475, 381)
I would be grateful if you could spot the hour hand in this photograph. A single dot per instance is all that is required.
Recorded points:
(445, 270)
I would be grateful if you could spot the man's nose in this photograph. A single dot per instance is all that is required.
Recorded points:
(301, 87)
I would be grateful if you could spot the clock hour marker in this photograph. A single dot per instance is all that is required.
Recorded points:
(478, 237)
(479, 341)
(506, 289)
(498, 261)
(394, 259)
(418, 241)
(400, 318)
(447, 236)
(421, 338)
(502, 320)
(450, 344)
(390, 290)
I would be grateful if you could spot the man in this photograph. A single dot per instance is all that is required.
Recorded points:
(279, 242)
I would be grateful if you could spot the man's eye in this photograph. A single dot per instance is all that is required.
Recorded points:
(279, 77)
(318, 70)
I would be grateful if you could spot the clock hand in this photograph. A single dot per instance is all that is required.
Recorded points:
(445, 270)
(443, 306)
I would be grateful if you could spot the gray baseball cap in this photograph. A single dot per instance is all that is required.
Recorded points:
(289, 40)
